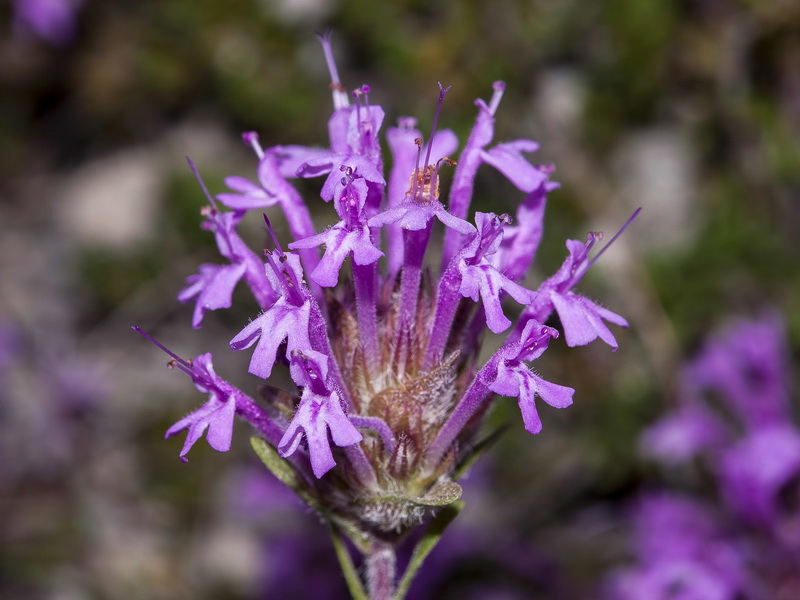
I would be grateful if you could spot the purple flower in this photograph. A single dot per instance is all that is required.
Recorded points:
(684, 434)
(746, 364)
(350, 236)
(754, 471)
(744, 544)
(353, 132)
(216, 415)
(315, 416)
(506, 158)
(385, 354)
(481, 277)
(514, 378)
(320, 410)
(683, 554)
(213, 285)
(521, 241)
(582, 319)
(415, 214)
(287, 319)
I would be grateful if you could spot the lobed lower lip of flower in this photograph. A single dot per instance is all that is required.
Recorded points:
(384, 352)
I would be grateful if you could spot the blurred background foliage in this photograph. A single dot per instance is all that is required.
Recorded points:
(690, 108)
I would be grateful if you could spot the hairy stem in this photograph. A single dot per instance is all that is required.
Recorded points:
(381, 565)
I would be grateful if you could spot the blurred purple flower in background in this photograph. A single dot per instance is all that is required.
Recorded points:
(54, 21)
(734, 422)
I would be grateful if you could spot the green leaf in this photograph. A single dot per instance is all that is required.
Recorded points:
(428, 542)
(283, 470)
(441, 494)
(354, 583)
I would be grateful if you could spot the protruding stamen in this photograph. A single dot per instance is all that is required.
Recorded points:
(415, 178)
(594, 238)
(202, 183)
(286, 273)
(187, 366)
(357, 98)
(274, 237)
(490, 234)
(251, 139)
(424, 183)
(499, 87)
(616, 235)
(446, 160)
(340, 99)
(442, 92)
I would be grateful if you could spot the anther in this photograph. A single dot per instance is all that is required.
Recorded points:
(187, 366)
(251, 139)
(499, 87)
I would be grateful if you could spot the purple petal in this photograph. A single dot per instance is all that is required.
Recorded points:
(360, 165)
(507, 159)
(247, 196)
(220, 426)
(213, 287)
(489, 283)
(557, 396)
(521, 241)
(517, 380)
(339, 243)
(315, 415)
(581, 320)
(282, 321)
(454, 223)
(296, 161)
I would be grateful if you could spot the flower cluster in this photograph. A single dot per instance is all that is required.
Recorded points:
(383, 352)
(747, 545)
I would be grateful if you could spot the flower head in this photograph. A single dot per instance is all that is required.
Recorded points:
(384, 355)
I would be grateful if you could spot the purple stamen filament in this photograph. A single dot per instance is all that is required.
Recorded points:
(187, 366)
(442, 92)
(202, 183)
(251, 139)
(499, 87)
(288, 276)
(593, 239)
(340, 99)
